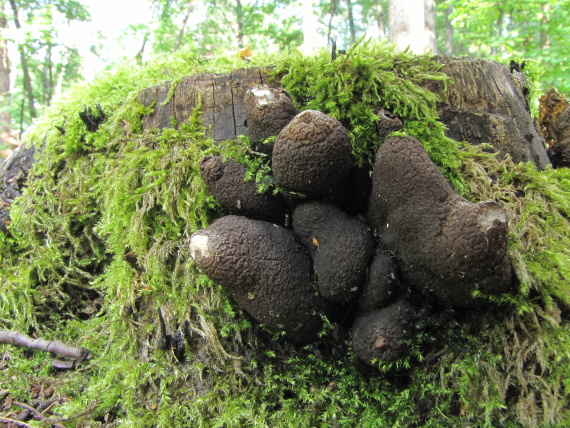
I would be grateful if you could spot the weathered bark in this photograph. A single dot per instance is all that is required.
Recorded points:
(485, 103)
(554, 122)
(222, 98)
(13, 176)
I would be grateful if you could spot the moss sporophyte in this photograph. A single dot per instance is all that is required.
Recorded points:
(94, 197)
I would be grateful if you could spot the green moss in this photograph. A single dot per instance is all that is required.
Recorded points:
(99, 243)
(373, 75)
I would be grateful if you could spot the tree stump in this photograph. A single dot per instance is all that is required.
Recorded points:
(222, 98)
(486, 103)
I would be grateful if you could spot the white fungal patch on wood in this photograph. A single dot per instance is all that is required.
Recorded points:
(264, 95)
(199, 246)
(491, 215)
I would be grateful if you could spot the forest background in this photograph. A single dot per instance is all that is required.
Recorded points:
(46, 46)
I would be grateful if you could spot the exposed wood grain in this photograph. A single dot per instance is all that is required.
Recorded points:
(222, 97)
(485, 103)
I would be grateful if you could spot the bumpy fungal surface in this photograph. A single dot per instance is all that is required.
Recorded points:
(268, 111)
(381, 285)
(225, 180)
(378, 335)
(341, 247)
(312, 154)
(446, 245)
(265, 269)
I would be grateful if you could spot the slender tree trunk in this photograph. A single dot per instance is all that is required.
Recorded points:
(500, 21)
(407, 24)
(431, 34)
(239, 15)
(332, 15)
(48, 82)
(183, 27)
(351, 22)
(379, 18)
(448, 48)
(5, 119)
(140, 53)
(25, 69)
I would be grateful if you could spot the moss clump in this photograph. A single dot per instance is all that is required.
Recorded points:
(370, 76)
(99, 243)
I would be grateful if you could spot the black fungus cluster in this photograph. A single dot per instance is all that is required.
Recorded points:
(360, 264)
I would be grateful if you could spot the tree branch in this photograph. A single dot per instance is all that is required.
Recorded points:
(17, 423)
(55, 346)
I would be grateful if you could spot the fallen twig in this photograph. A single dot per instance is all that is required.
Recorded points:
(31, 409)
(15, 422)
(55, 346)
(40, 416)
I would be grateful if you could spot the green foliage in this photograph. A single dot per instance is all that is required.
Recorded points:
(513, 29)
(98, 244)
(49, 61)
(218, 26)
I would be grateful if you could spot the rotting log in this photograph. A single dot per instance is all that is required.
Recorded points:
(486, 103)
(221, 96)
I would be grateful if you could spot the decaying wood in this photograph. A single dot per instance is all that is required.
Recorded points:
(554, 121)
(13, 176)
(55, 346)
(222, 97)
(485, 103)
(14, 422)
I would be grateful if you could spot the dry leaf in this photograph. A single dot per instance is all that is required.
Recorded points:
(316, 243)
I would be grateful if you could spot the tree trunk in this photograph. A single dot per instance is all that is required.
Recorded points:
(183, 27)
(351, 22)
(407, 24)
(448, 32)
(239, 17)
(25, 69)
(330, 26)
(378, 14)
(431, 37)
(5, 119)
(312, 40)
